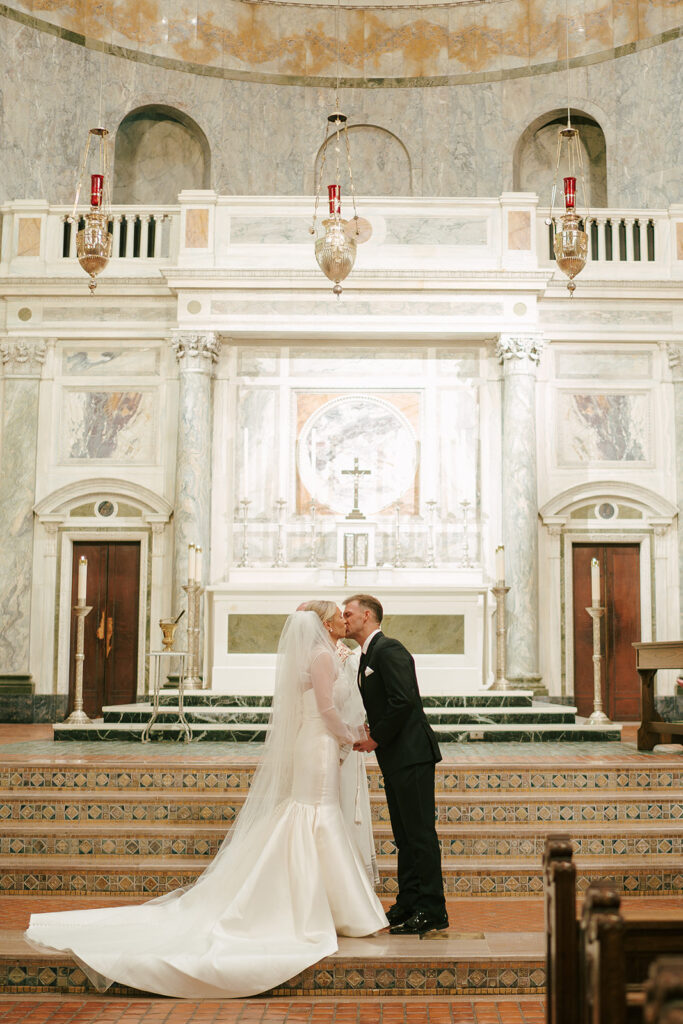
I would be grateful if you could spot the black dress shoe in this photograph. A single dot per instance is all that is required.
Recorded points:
(397, 915)
(420, 923)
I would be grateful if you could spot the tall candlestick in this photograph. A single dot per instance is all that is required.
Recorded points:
(82, 578)
(191, 563)
(500, 562)
(198, 565)
(595, 583)
(245, 462)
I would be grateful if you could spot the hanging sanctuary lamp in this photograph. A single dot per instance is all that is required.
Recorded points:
(335, 249)
(93, 238)
(570, 241)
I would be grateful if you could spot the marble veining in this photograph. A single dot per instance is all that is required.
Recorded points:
(117, 426)
(603, 427)
(101, 362)
(436, 231)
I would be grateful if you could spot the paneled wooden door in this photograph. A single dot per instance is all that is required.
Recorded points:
(110, 667)
(620, 627)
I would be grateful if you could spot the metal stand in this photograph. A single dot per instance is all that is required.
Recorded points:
(156, 660)
(78, 715)
(398, 554)
(499, 592)
(244, 560)
(313, 562)
(280, 558)
(431, 540)
(193, 591)
(465, 561)
(598, 716)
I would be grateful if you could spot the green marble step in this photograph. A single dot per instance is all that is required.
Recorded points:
(253, 716)
(462, 964)
(478, 698)
(463, 876)
(63, 773)
(549, 808)
(183, 839)
(212, 731)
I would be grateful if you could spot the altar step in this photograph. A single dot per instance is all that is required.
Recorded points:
(465, 963)
(492, 717)
(125, 829)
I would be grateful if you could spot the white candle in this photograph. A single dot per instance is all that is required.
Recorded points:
(500, 563)
(191, 563)
(82, 578)
(245, 461)
(198, 565)
(595, 583)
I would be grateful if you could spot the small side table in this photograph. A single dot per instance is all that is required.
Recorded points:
(159, 660)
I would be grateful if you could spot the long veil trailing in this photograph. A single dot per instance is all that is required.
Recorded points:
(259, 913)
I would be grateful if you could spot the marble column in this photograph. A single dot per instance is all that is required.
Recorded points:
(676, 367)
(520, 357)
(21, 363)
(196, 354)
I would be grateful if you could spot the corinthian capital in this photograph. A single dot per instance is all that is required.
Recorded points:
(519, 347)
(23, 358)
(198, 350)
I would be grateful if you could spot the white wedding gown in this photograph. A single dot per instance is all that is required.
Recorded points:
(260, 914)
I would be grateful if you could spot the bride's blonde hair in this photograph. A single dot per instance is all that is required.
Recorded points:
(325, 610)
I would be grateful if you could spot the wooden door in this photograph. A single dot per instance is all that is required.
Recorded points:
(619, 628)
(110, 667)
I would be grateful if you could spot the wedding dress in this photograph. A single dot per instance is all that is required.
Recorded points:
(282, 886)
(354, 795)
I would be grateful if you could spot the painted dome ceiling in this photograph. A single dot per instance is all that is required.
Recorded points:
(392, 44)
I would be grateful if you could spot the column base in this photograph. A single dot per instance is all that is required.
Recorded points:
(528, 682)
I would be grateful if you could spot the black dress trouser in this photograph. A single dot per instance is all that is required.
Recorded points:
(410, 798)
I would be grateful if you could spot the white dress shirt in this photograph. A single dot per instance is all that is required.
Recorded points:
(364, 648)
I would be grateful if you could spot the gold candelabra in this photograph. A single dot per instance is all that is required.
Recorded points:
(194, 590)
(499, 592)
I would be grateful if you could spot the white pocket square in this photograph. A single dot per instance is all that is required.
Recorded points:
(368, 671)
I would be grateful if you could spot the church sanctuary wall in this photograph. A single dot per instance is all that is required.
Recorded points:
(105, 472)
(450, 130)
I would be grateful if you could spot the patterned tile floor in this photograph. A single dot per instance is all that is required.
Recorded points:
(89, 1010)
(27, 742)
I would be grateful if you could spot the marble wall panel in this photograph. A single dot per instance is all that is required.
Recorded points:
(264, 136)
(197, 229)
(270, 231)
(679, 241)
(421, 634)
(436, 231)
(109, 425)
(28, 240)
(98, 362)
(519, 230)
(594, 427)
(605, 365)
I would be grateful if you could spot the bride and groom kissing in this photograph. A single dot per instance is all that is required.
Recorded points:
(290, 877)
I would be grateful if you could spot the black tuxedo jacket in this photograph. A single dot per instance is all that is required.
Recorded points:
(398, 724)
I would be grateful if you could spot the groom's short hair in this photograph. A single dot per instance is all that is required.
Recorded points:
(368, 601)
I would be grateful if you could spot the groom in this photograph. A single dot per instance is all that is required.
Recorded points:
(407, 752)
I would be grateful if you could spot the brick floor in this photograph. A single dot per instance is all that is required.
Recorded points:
(89, 1010)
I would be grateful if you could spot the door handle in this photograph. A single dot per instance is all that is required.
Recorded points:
(110, 633)
(100, 629)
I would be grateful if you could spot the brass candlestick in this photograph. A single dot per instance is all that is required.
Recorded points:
(499, 592)
(598, 717)
(78, 715)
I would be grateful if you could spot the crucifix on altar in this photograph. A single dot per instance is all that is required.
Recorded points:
(356, 473)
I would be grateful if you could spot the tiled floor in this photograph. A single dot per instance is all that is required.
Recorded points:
(67, 1010)
(28, 742)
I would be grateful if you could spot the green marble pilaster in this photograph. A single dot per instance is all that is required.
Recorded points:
(21, 363)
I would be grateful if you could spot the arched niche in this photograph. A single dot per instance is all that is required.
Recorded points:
(380, 163)
(159, 152)
(535, 157)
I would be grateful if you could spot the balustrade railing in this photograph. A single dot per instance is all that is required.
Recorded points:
(640, 239)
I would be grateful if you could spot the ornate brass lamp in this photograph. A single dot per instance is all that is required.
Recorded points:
(94, 240)
(571, 241)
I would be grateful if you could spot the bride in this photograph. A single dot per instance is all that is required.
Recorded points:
(284, 883)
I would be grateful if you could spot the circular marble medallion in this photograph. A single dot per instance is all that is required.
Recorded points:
(361, 427)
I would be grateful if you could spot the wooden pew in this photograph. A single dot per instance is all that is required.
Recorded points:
(596, 967)
(664, 992)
